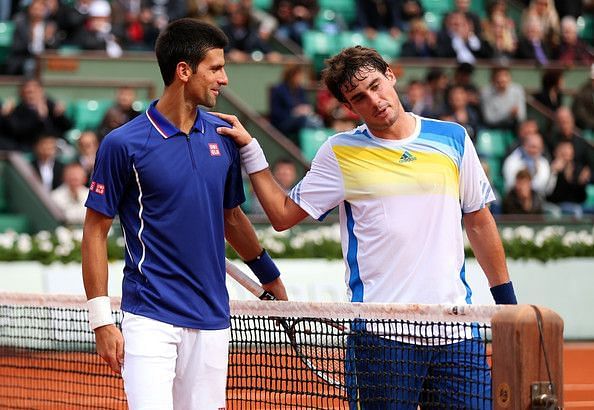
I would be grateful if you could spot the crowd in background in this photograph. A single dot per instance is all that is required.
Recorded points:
(545, 170)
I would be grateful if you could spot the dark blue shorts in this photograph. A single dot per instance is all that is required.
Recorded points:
(385, 374)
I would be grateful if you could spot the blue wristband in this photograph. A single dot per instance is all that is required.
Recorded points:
(264, 268)
(504, 294)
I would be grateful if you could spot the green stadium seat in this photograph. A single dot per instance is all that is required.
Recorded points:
(493, 143)
(14, 222)
(311, 139)
(3, 199)
(87, 114)
(589, 203)
(318, 46)
(388, 46)
(439, 7)
(433, 20)
(6, 35)
(346, 8)
(586, 27)
(353, 38)
(495, 174)
(262, 4)
(588, 135)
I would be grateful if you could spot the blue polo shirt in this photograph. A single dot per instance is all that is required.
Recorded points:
(169, 189)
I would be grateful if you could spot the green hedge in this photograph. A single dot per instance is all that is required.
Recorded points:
(63, 245)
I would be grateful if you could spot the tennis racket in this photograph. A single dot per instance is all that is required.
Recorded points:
(319, 343)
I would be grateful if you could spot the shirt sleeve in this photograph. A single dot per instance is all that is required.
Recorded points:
(475, 189)
(112, 173)
(234, 194)
(322, 188)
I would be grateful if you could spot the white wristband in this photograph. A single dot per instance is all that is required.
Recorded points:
(252, 157)
(99, 312)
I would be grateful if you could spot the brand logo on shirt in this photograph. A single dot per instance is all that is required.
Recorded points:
(407, 157)
(214, 149)
(97, 188)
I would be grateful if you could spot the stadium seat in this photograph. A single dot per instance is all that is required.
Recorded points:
(15, 222)
(6, 34)
(353, 38)
(586, 27)
(493, 143)
(346, 8)
(439, 7)
(589, 203)
(87, 114)
(388, 46)
(318, 46)
(433, 21)
(311, 139)
(262, 4)
(588, 135)
(495, 174)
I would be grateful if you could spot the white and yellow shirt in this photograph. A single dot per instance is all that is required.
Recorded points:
(401, 204)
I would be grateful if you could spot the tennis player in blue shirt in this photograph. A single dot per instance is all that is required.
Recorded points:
(175, 183)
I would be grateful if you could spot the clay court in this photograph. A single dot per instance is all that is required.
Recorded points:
(80, 380)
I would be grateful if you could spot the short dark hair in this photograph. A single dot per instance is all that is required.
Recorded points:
(186, 40)
(344, 68)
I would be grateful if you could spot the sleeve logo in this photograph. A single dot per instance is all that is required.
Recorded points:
(97, 188)
(214, 149)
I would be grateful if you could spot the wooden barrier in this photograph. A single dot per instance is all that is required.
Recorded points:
(528, 359)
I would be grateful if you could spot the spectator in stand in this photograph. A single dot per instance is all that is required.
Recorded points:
(499, 7)
(463, 77)
(532, 45)
(574, 8)
(501, 37)
(264, 22)
(458, 110)
(120, 113)
(564, 130)
(436, 81)
(414, 100)
(567, 185)
(137, 25)
(33, 34)
(6, 142)
(87, 146)
(245, 42)
(544, 11)
(551, 91)
(209, 11)
(572, 50)
(420, 42)
(463, 7)
(98, 33)
(583, 104)
(284, 172)
(331, 110)
(35, 115)
(45, 162)
(460, 41)
(410, 10)
(70, 18)
(528, 156)
(380, 15)
(521, 198)
(294, 17)
(71, 195)
(290, 110)
(503, 102)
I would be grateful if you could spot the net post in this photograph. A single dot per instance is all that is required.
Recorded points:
(520, 371)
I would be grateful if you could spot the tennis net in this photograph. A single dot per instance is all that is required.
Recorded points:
(282, 355)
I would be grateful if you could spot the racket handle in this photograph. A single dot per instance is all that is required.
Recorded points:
(247, 282)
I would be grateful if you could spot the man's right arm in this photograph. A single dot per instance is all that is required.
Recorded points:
(282, 211)
(109, 340)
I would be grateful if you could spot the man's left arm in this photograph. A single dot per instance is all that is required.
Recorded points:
(488, 249)
(241, 235)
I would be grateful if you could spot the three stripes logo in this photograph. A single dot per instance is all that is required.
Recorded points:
(407, 157)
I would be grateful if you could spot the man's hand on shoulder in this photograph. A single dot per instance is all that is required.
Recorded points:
(237, 132)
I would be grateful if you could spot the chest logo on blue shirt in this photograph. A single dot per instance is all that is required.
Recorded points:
(214, 149)
(407, 157)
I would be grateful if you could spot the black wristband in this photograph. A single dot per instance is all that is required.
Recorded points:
(504, 294)
(264, 268)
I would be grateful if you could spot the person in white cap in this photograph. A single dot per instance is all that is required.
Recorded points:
(97, 33)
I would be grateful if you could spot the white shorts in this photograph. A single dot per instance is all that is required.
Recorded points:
(168, 367)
